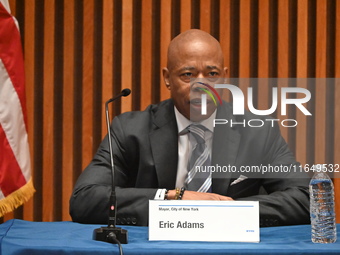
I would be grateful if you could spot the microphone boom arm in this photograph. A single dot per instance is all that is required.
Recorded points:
(111, 233)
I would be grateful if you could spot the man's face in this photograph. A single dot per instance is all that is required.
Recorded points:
(193, 60)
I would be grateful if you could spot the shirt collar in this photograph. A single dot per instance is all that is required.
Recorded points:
(183, 122)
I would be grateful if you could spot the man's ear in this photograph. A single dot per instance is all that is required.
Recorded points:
(166, 76)
(225, 70)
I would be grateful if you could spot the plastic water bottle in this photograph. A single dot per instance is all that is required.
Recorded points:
(322, 207)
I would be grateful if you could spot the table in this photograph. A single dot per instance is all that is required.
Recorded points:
(25, 237)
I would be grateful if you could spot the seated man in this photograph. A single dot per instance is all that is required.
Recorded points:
(152, 150)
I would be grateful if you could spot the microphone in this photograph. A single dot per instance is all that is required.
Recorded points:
(111, 233)
(124, 93)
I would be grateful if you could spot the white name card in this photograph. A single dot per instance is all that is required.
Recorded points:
(214, 221)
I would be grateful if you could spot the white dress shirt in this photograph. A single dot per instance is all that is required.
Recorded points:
(185, 147)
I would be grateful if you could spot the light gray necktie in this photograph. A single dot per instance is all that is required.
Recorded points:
(198, 179)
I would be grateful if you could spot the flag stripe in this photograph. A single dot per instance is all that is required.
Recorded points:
(12, 122)
(11, 55)
(13, 116)
(11, 177)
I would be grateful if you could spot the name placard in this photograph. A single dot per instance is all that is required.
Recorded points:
(215, 221)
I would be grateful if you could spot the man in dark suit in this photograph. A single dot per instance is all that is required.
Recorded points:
(152, 149)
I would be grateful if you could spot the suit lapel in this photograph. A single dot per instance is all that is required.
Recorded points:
(224, 152)
(164, 145)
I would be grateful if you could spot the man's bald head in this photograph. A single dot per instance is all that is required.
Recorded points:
(192, 55)
(190, 41)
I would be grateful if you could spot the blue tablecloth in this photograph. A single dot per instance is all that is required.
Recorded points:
(24, 237)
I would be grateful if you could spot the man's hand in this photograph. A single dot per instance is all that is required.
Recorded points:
(193, 195)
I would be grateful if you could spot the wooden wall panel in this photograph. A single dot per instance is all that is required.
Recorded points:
(185, 14)
(48, 134)
(88, 86)
(127, 37)
(244, 41)
(205, 15)
(107, 61)
(263, 41)
(337, 109)
(337, 130)
(302, 60)
(224, 31)
(165, 38)
(146, 54)
(224, 36)
(263, 89)
(320, 69)
(68, 106)
(79, 53)
(29, 49)
(283, 48)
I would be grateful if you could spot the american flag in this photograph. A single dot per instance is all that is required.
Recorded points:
(16, 185)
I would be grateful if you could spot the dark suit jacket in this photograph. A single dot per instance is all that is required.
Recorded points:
(145, 147)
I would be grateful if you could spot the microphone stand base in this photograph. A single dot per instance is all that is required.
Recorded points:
(104, 234)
